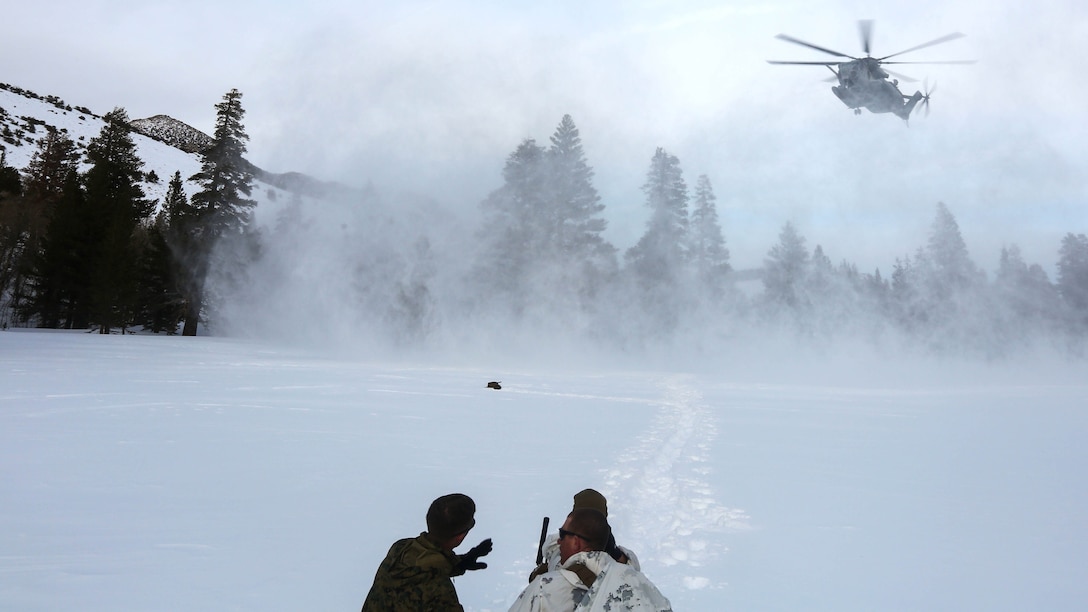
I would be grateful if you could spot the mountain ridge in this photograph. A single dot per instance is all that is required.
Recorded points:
(24, 113)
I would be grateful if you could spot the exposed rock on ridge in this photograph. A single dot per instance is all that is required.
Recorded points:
(175, 133)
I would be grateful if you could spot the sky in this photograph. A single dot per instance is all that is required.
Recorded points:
(166, 473)
(430, 97)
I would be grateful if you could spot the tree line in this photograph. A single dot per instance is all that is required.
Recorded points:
(542, 245)
(87, 250)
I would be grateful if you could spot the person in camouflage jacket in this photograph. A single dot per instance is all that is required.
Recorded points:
(416, 573)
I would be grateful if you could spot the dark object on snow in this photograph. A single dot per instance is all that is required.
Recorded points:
(494, 385)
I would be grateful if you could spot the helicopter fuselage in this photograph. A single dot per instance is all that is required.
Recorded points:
(864, 84)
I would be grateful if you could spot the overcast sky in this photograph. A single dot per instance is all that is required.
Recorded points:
(432, 96)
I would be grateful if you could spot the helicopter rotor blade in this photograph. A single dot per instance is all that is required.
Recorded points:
(865, 28)
(933, 62)
(812, 46)
(805, 63)
(936, 41)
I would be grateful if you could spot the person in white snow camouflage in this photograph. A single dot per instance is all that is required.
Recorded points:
(586, 498)
(588, 578)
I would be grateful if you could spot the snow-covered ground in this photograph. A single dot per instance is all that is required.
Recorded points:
(169, 473)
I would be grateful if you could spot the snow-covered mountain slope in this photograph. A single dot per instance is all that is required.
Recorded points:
(165, 145)
(25, 117)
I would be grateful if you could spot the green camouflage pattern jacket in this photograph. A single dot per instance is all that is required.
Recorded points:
(415, 577)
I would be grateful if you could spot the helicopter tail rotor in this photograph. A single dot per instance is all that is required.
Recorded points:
(927, 92)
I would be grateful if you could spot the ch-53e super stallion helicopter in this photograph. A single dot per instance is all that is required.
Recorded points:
(862, 81)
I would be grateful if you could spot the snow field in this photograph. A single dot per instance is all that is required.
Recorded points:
(165, 473)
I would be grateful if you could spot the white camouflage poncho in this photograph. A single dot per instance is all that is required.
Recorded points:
(617, 588)
(551, 553)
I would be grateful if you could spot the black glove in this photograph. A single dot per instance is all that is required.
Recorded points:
(470, 560)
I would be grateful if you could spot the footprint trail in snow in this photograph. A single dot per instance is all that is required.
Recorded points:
(666, 509)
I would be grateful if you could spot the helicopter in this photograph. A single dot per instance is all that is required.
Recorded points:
(864, 83)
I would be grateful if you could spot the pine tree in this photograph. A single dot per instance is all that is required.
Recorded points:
(657, 281)
(541, 242)
(820, 281)
(11, 190)
(10, 182)
(24, 215)
(60, 281)
(161, 301)
(221, 208)
(577, 260)
(954, 300)
(660, 254)
(785, 270)
(903, 293)
(574, 202)
(951, 269)
(512, 234)
(113, 192)
(1073, 277)
(876, 292)
(55, 157)
(708, 252)
(1026, 302)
